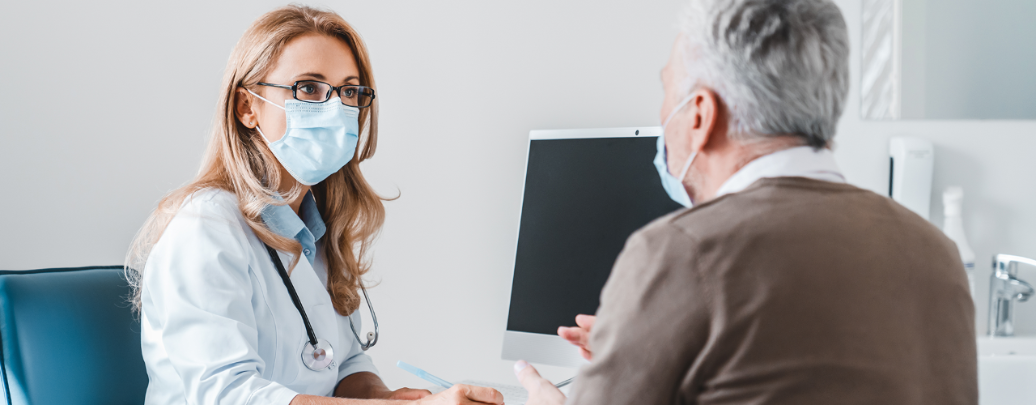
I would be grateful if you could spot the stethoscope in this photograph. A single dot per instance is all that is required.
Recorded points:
(318, 353)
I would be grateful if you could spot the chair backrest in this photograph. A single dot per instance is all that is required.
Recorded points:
(68, 336)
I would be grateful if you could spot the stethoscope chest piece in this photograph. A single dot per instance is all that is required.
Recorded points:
(318, 357)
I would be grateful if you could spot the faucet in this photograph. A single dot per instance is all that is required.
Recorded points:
(1004, 288)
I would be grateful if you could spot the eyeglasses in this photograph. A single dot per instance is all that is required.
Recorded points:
(312, 91)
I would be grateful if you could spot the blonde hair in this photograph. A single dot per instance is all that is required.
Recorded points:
(237, 160)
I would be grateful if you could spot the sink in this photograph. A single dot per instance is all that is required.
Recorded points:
(1006, 371)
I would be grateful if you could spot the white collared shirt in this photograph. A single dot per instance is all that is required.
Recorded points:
(217, 323)
(801, 161)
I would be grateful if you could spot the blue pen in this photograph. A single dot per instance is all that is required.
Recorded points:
(424, 375)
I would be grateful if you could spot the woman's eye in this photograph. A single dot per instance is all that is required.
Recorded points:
(348, 93)
(308, 88)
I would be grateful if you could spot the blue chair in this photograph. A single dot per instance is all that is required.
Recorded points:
(68, 336)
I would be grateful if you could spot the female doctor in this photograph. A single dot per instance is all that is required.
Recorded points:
(249, 288)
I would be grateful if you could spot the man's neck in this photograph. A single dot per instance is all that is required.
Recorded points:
(721, 164)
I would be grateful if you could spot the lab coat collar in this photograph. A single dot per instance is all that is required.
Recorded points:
(283, 221)
(801, 161)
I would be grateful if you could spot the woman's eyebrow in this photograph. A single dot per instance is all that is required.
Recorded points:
(319, 76)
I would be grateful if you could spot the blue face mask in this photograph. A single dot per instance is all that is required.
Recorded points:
(319, 138)
(673, 185)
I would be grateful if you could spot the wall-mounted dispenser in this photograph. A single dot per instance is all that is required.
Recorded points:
(911, 162)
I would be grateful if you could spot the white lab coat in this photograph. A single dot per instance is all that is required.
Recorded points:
(218, 325)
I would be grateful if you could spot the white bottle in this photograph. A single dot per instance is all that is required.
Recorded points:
(952, 201)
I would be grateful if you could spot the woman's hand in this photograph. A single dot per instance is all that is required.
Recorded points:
(462, 394)
(580, 335)
(367, 385)
(541, 391)
(408, 394)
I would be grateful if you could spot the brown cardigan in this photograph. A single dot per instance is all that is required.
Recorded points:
(793, 291)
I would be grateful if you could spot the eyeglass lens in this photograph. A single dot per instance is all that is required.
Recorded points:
(318, 92)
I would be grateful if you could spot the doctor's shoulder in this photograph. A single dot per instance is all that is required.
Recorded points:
(212, 209)
(208, 225)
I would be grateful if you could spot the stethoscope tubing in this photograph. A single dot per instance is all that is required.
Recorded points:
(372, 338)
(294, 295)
(374, 317)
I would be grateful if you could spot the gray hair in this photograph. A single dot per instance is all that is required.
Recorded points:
(780, 66)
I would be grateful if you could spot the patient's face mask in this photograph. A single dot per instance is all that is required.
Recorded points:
(673, 185)
(319, 138)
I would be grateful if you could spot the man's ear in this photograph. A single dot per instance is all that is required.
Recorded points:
(243, 108)
(705, 107)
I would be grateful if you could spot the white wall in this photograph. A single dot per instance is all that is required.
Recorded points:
(107, 106)
(968, 59)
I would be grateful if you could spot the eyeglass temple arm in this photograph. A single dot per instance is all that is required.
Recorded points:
(275, 85)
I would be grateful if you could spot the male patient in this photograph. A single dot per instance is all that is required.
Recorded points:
(783, 284)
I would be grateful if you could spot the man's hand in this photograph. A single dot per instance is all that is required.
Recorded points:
(408, 394)
(541, 391)
(580, 335)
(461, 394)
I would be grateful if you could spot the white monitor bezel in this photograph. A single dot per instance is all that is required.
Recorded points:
(542, 348)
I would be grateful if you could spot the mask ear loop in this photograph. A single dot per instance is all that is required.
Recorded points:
(261, 98)
(686, 166)
(257, 124)
(664, 124)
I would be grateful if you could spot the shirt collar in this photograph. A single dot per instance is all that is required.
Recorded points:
(801, 161)
(281, 219)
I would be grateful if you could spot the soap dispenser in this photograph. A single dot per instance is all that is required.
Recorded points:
(953, 226)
